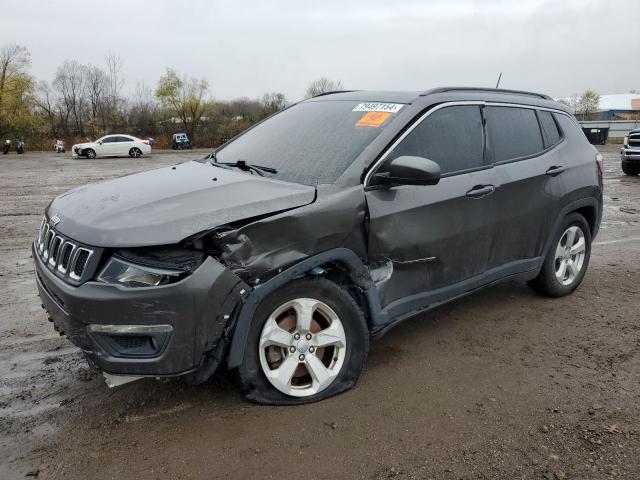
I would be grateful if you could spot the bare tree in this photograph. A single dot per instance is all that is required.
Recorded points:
(14, 62)
(572, 102)
(143, 110)
(70, 84)
(273, 102)
(97, 92)
(43, 99)
(323, 85)
(116, 82)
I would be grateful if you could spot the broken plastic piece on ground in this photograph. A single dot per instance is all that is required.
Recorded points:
(117, 380)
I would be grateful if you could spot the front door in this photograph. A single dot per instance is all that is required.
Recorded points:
(434, 239)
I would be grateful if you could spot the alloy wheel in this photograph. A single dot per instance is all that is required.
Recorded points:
(302, 347)
(570, 255)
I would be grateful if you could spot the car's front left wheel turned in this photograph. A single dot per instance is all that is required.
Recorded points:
(308, 341)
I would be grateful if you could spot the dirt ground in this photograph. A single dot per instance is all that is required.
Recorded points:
(502, 384)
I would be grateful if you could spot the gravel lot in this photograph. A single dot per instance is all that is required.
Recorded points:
(502, 384)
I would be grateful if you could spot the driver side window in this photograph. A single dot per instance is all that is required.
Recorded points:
(452, 137)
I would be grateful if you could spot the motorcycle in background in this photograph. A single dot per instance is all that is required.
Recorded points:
(20, 148)
(58, 147)
(6, 146)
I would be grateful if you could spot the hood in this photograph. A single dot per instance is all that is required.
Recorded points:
(85, 144)
(164, 206)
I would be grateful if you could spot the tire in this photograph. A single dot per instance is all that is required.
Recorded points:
(342, 363)
(90, 153)
(555, 278)
(135, 153)
(630, 169)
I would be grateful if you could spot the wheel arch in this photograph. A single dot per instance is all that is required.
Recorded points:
(346, 259)
(589, 208)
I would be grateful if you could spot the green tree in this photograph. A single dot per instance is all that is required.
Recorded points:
(183, 98)
(588, 103)
(16, 87)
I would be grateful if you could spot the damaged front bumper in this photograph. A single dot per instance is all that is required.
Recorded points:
(167, 330)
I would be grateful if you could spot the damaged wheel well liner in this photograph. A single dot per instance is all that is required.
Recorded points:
(358, 274)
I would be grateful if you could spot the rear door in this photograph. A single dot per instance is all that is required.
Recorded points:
(432, 237)
(123, 146)
(522, 144)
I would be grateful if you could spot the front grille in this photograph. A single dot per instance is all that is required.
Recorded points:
(81, 262)
(62, 255)
(634, 140)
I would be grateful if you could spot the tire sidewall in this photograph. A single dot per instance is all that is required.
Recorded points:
(252, 379)
(89, 155)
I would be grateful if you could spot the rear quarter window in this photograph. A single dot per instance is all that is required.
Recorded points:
(550, 132)
(513, 132)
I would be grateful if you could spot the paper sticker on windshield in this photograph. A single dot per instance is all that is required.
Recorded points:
(373, 119)
(378, 107)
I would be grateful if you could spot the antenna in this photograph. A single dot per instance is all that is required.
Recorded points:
(498, 82)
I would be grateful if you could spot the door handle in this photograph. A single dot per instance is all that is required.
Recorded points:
(480, 191)
(555, 170)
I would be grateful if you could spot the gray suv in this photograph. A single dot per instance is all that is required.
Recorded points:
(284, 252)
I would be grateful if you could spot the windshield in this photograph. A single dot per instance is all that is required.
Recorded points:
(311, 142)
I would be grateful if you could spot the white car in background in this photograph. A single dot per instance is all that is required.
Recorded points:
(116, 145)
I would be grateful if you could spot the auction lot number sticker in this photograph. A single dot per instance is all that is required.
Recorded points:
(378, 107)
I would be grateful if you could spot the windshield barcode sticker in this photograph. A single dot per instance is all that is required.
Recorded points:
(378, 107)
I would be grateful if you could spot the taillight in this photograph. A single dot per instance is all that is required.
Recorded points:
(600, 162)
(146, 142)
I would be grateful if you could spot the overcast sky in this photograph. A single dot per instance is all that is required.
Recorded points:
(248, 48)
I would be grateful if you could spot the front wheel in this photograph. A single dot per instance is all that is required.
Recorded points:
(630, 169)
(308, 341)
(566, 263)
(90, 154)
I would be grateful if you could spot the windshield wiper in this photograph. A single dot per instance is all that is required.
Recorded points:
(247, 167)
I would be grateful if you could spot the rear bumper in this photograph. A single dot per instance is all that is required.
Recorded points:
(155, 331)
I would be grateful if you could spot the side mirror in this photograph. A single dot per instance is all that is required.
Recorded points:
(408, 170)
(100, 142)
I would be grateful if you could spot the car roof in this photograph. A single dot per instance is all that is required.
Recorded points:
(367, 96)
(447, 94)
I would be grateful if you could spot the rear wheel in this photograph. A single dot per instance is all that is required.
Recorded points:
(308, 341)
(90, 153)
(566, 263)
(135, 152)
(630, 169)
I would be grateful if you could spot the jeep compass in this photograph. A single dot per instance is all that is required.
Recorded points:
(285, 251)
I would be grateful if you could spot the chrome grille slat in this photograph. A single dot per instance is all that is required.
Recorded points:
(61, 255)
(65, 256)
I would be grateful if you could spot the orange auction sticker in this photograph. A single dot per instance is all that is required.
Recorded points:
(373, 119)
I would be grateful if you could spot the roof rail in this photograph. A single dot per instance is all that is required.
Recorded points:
(333, 91)
(488, 90)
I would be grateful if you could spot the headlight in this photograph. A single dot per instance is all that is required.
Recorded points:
(118, 271)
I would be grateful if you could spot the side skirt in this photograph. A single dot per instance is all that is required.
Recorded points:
(408, 307)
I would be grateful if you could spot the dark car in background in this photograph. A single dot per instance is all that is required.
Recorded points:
(630, 153)
(287, 249)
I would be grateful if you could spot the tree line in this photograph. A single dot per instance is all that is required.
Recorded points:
(86, 101)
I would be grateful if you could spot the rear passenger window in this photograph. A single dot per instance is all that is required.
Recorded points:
(452, 137)
(513, 132)
(550, 131)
